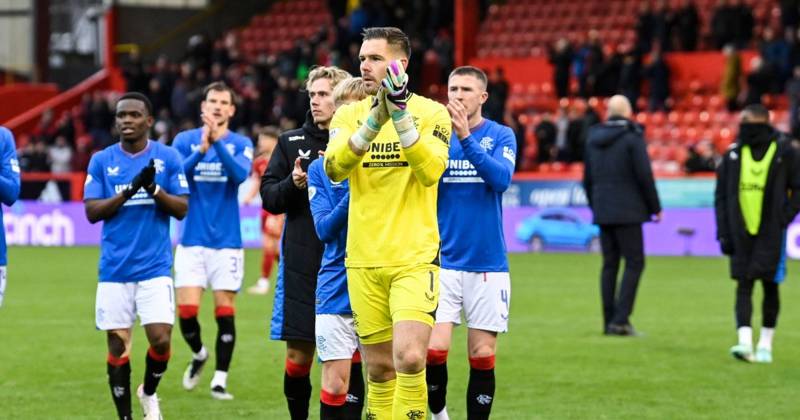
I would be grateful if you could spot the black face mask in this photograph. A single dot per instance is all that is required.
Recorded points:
(753, 134)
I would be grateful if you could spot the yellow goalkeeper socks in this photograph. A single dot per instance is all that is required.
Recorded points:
(411, 396)
(380, 396)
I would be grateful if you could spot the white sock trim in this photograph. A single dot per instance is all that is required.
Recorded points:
(220, 378)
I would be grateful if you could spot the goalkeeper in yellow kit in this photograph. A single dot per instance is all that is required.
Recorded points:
(393, 147)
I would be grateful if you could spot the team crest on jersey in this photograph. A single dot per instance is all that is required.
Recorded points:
(159, 165)
(112, 170)
(231, 148)
(487, 143)
(332, 134)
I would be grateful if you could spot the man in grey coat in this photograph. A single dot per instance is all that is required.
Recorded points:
(622, 194)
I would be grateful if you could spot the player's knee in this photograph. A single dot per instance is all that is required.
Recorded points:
(116, 345)
(481, 351)
(380, 370)
(410, 360)
(160, 343)
(335, 384)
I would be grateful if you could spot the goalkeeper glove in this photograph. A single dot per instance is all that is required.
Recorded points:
(397, 95)
(375, 120)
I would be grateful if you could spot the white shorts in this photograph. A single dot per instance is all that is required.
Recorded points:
(118, 304)
(336, 337)
(485, 299)
(218, 269)
(2, 283)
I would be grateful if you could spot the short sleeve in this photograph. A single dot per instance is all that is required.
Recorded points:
(94, 186)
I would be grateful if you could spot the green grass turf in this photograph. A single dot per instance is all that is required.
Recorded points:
(553, 364)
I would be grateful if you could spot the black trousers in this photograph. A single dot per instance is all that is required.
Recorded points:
(769, 306)
(620, 241)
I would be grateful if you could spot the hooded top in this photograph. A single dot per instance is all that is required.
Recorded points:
(617, 176)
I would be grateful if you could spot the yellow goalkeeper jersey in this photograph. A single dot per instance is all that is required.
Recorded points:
(392, 215)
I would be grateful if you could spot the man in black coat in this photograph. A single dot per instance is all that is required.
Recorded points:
(284, 190)
(753, 209)
(622, 193)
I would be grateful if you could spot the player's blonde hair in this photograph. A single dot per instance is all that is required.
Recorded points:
(352, 88)
(332, 73)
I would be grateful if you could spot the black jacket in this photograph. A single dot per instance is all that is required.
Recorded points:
(617, 176)
(301, 250)
(757, 257)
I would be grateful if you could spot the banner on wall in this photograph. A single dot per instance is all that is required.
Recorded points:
(674, 193)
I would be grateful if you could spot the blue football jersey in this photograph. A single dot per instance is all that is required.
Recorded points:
(329, 204)
(9, 181)
(214, 178)
(470, 210)
(135, 243)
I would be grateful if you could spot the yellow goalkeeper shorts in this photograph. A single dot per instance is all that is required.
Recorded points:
(380, 297)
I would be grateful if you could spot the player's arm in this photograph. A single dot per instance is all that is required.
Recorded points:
(721, 208)
(427, 156)
(329, 219)
(238, 165)
(277, 188)
(190, 157)
(97, 206)
(9, 172)
(348, 144)
(497, 168)
(793, 205)
(173, 197)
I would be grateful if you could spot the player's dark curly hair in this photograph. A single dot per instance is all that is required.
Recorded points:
(137, 96)
(220, 87)
(393, 36)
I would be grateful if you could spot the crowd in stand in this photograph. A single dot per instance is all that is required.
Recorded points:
(270, 94)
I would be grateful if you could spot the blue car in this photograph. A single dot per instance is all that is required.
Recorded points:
(558, 228)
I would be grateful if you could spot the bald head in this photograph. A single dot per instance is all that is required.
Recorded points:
(619, 106)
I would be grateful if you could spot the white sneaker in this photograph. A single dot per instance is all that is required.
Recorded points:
(442, 415)
(219, 393)
(150, 406)
(763, 355)
(191, 376)
(260, 288)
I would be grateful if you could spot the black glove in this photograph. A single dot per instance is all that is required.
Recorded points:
(145, 178)
(726, 246)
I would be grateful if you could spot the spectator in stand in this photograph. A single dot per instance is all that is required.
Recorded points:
(576, 132)
(495, 106)
(731, 77)
(758, 81)
(644, 27)
(588, 63)
(663, 21)
(790, 14)
(723, 24)
(46, 129)
(793, 93)
(702, 158)
(630, 77)
(545, 133)
(686, 25)
(657, 73)
(608, 77)
(561, 57)
(38, 160)
(60, 156)
(561, 151)
(743, 23)
(134, 73)
(776, 54)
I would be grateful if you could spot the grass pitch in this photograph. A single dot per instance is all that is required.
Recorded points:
(554, 363)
